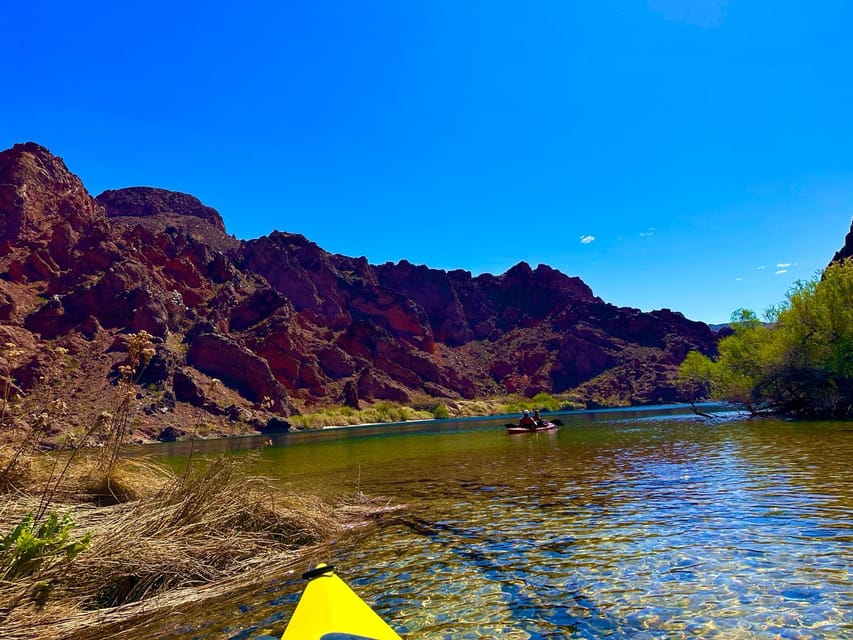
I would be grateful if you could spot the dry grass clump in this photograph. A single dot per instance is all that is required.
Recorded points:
(127, 481)
(193, 532)
(213, 525)
(15, 472)
(83, 480)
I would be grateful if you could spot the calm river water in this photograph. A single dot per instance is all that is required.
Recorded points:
(621, 524)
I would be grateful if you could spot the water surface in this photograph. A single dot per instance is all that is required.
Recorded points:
(622, 524)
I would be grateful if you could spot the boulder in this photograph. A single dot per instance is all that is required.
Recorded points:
(171, 434)
(274, 425)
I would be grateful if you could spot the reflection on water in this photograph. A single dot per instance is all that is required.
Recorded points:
(625, 526)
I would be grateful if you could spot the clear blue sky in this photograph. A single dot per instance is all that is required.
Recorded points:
(696, 155)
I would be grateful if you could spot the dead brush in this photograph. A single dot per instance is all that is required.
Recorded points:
(199, 538)
(17, 472)
(84, 481)
(213, 530)
(153, 540)
(195, 530)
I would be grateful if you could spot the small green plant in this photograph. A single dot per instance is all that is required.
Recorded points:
(26, 548)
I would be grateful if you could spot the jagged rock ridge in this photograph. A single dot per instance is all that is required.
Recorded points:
(285, 324)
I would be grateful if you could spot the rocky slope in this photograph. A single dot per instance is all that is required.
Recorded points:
(285, 325)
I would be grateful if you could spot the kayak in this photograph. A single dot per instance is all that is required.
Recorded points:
(514, 428)
(329, 610)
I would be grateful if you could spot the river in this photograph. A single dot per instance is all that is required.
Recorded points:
(621, 524)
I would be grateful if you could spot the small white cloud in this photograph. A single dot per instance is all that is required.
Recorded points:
(761, 268)
(781, 271)
(738, 279)
(587, 239)
(783, 265)
(649, 232)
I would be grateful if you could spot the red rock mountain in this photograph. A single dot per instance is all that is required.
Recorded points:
(287, 326)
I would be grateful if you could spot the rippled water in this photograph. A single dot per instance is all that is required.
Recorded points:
(619, 525)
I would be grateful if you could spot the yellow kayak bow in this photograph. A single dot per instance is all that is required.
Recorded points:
(329, 610)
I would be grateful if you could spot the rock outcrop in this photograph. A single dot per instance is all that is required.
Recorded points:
(146, 202)
(43, 203)
(845, 252)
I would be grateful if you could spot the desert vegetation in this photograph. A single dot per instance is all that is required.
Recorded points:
(432, 409)
(797, 362)
(92, 541)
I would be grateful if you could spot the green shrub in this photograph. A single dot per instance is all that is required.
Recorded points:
(545, 401)
(441, 412)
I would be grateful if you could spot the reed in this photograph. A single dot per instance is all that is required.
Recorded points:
(214, 526)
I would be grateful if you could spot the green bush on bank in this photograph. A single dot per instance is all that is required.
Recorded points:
(441, 412)
(799, 362)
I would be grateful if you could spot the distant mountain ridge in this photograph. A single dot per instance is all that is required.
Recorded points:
(287, 326)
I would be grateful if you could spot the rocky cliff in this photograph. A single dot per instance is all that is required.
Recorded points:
(286, 326)
(845, 252)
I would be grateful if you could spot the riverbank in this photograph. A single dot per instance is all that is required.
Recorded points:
(88, 555)
(198, 425)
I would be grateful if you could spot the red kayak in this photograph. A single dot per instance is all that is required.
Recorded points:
(514, 428)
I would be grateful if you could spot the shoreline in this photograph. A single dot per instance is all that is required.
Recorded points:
(503, 417)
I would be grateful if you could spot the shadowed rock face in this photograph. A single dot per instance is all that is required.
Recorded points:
(846, 251)
(278, 319)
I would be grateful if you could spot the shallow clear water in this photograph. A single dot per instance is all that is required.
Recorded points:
(632, 524)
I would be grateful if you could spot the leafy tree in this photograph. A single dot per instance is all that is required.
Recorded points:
(694, 377)
(799, 363)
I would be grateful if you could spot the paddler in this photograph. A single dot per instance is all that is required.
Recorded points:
(526, 421)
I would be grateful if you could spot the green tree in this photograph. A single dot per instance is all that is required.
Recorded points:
(694, 377)
(800, 362)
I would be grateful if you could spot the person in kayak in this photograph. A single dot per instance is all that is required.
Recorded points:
(539, 421)
(527, 421)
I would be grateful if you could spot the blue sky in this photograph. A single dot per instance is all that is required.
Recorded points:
(689, 154)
